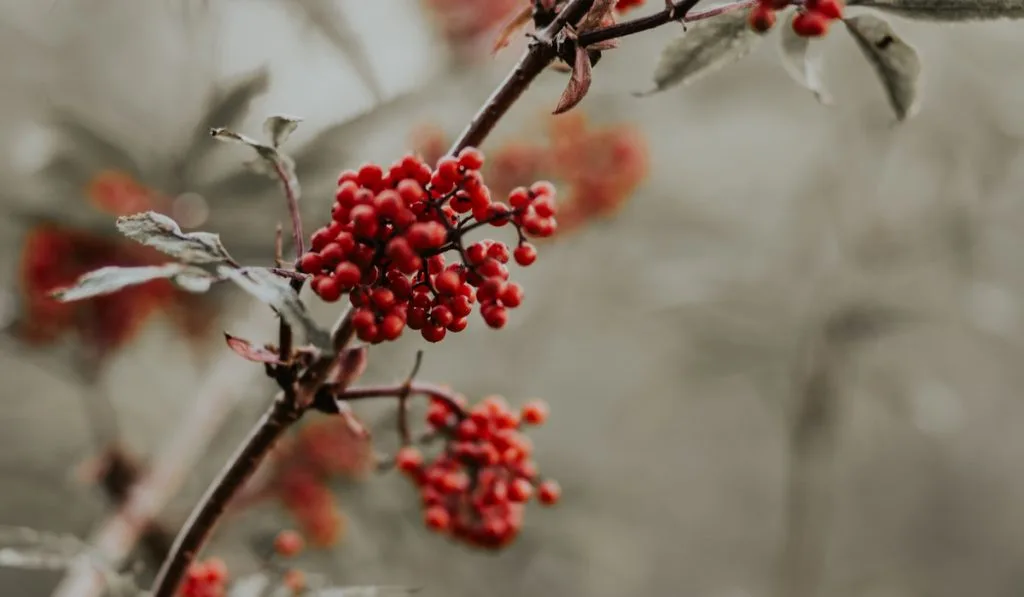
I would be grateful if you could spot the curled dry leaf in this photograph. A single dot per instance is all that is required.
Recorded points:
(518, 22)
(709, 45)
(163, 234)
(250, 352)
(108, 280)
(269, 160)
(895, 61)
(278, 128)
(948, 10)
(270, 289)
(579, 82)
(801, 63)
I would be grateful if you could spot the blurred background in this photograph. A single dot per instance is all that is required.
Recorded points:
(782, 345)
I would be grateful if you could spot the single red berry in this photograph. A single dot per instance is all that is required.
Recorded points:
(448, 168)
(535, 412)
(495, 316)
(433, 333)
(391, 327)
(471, 158)
(437, 519)
(327, 289)
(519, 198)
(549, 492)
(332, 254)
(295, 581)
(347, 274)
(520, 490)
(833, 9)
(458, 324)
(408, 460)
(810, 24)
(370, 175)
(511, 295)
(311, 263)
(525, 254)
(426, 235)
(448, 282)
(363, 318)
(761, 18)
(288, 543)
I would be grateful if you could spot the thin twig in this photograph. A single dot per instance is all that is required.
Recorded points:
(168, 470)
(240, 468)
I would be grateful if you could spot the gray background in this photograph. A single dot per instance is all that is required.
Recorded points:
(677, 343)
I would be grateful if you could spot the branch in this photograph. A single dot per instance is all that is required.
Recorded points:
(677, 11)
(174, 461)
(240, 468)
(402, 391)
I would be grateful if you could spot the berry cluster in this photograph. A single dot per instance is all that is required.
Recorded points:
(390, 231)
(208, 578)
(598, 168)
(475, 490)
(813, 19)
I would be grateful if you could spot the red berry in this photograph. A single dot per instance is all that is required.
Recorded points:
(832, 9)
(448, 282)
(332, 254)
(520, 490)
(511, 295)
(495, 316)
(761, 18)
(525, 254)
(288, 543)
(391, 327)
(471, 158)
(549, 492)
(295, 581)
(348, 274)
(311, 263)
(448, 168)
(408, 460)
(433, 333)
(535, 412)
(426, 235)
(327, 289)
(519, 198)
(810, 24)
(370, 175)
(437, 518)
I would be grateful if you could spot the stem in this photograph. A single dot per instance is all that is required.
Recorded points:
(541, 53)
(676, 12)
(281, 415)
(403, 391)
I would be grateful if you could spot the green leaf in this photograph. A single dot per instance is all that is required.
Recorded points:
(895, 61)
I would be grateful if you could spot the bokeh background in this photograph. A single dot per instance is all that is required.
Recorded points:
(789, 365)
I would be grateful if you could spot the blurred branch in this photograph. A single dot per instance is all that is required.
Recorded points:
(326, 17)
(170, 467)
(812, 438)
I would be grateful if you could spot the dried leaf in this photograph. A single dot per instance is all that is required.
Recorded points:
(268, 288)
(278, 128)
(520, 20)
(895, 61)
(599, 11)
(108, 280)
(163, 234)
(250, 352)
(710, 44)
(579, 82)
(228, 108)
(948, 10)
(270, 161)
(802, 64)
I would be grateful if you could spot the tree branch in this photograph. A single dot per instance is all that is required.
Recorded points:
(282, 413)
